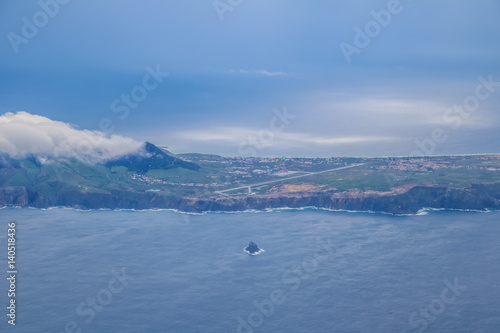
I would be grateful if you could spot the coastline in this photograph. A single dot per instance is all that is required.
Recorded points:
(414, 201)
(422, 212)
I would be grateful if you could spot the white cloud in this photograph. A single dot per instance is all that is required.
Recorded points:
(331, 141)
(23, 134)
(257, 72)
(235, 135)
(399, 112)
(217, 134)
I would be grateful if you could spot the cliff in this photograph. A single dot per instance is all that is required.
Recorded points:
(14, 195)
(476, 197)
(480, 197)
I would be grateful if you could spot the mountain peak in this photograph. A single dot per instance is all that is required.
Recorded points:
(155, 158)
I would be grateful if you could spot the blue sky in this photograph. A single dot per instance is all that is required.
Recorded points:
(228, 79)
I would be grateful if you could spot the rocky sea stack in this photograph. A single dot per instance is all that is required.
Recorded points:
(252, 248)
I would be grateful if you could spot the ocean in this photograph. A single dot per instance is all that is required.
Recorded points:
(320, 271)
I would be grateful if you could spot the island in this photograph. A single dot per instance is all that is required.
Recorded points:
(204, 183)
(252, 249)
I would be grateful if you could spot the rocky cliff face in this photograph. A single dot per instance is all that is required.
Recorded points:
(14, 195)
(252, 248)
(410, 202)
(477, 197)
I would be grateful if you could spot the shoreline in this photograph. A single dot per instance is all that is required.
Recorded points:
(416, 200)
(421, 212)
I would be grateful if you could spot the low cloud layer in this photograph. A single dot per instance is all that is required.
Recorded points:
(23, 134)
(248, 141)
(257, 72)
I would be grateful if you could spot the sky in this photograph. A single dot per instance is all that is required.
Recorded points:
(295, 78)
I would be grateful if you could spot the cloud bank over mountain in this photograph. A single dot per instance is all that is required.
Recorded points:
(23, 134)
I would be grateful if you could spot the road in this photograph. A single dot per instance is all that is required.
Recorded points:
(249, 186)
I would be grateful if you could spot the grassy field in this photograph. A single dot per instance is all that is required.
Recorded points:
(217, 173)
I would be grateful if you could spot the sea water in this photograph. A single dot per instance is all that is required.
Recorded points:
(321, 271)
